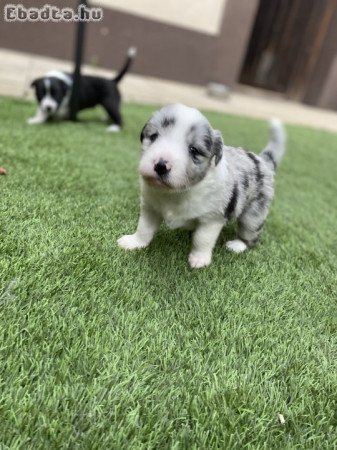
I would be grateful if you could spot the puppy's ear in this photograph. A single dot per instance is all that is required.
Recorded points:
(217, 146)
(34, 83)
(142, 133)
(64, 87)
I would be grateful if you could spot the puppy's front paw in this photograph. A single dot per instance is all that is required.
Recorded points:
(198, 259)
(35, 120)
(113, 128)
(131, 242)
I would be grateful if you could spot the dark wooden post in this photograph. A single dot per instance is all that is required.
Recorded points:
(79, 45)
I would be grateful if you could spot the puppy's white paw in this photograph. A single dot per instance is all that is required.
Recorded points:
(131, 242)
(236, 246)
(34, 121)
(198, 260)
(113, 128)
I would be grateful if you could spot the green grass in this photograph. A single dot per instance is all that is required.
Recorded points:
(105, 349)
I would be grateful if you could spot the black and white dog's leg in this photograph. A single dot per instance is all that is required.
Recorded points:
(250, 225)
(112, 108)
(40, 117)
(148, 224)
(204, 239)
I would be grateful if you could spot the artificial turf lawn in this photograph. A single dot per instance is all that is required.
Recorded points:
(102, 348)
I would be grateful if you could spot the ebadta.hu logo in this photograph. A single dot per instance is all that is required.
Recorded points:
(51, 13)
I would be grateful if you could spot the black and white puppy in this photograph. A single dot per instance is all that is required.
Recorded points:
(53, 93)
(190, 179)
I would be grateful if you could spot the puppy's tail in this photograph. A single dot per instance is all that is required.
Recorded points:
(275, 148)
(130, 57)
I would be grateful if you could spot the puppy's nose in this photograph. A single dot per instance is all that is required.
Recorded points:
(48, 109)
(161, 167)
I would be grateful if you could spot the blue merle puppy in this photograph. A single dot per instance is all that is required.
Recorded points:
(190, 179)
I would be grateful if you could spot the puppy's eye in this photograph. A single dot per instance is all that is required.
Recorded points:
(153, 137)
(194, 151)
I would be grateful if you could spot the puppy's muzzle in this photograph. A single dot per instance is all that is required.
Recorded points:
(161, 167)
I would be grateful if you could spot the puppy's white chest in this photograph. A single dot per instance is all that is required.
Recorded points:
(169, 217)
(181, 210)
(63, 111)
(179, 216)
(174, 220)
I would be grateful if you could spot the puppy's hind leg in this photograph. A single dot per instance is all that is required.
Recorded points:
(149, 222)
(250, 225)
(204, 239)
(112, 108)
(40, 117)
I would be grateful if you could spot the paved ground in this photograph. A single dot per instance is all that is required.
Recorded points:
(18, 69)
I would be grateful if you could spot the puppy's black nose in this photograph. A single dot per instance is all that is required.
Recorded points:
(161, 167)
(49, 110)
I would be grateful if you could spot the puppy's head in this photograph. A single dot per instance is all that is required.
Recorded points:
(49, 93)
(178, 148)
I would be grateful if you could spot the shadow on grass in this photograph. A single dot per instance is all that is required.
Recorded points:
(168, 253)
